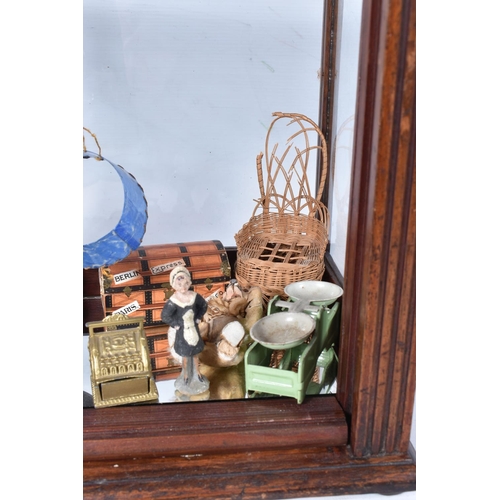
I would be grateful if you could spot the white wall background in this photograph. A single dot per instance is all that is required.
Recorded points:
(180, 94)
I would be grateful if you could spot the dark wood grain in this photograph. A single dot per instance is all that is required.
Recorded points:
(377, 357)
(298, 472)
(91, 286)
(212, 427)
(92, 304)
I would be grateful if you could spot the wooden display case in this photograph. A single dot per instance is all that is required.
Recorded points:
(357, 441)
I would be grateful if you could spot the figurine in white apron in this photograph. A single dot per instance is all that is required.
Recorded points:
(182, 312)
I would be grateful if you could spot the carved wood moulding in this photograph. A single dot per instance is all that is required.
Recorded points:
(377, 360)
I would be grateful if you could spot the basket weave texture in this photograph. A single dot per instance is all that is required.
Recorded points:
(285, 239)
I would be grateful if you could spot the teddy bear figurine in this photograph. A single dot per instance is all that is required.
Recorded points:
(227, 322)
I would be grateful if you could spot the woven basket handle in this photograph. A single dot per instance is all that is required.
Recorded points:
(260, 177)
(267, 191)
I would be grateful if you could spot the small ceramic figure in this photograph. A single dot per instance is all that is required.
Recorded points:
(182, 312)
(227, 320)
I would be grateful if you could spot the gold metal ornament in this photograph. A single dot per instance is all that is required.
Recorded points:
(209, 284)
(120, 362)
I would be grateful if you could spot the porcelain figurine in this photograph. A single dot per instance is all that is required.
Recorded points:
(182, 312)
(227, 321)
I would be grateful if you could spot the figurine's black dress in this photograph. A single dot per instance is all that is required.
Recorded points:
(186, 316)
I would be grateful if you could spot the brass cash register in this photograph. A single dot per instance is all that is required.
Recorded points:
(120, 363)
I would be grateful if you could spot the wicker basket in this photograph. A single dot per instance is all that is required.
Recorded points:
(285, 239)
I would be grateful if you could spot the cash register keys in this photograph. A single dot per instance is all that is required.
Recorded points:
(120, 363)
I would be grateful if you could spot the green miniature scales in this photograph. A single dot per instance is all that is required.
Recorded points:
(293, 375)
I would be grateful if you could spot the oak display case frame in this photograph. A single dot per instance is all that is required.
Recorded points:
(357, 441)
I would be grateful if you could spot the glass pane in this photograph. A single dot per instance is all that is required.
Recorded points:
(181, 95)
(344, 140)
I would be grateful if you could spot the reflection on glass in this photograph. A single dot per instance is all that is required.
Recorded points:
(181, 93)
